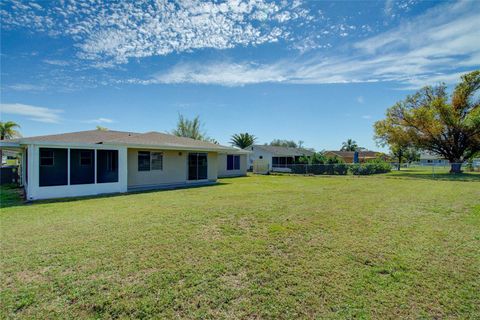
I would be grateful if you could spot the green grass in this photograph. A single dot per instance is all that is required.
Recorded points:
(435, 173)
(277, 247)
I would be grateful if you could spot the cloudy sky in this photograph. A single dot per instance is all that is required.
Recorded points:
(315, 71)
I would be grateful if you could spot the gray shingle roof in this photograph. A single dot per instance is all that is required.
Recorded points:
(90, 136)
(149, 139)
(283, 151)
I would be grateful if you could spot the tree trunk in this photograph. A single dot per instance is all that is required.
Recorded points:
(455, 166)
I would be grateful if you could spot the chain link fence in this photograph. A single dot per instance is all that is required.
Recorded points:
(368, 168)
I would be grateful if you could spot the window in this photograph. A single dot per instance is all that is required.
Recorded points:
(46, 158)
(233, 162)
(143, 160)
(86, 158)
(157, 160)
(197, 166)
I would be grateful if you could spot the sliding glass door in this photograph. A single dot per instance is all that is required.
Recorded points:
(197, 166)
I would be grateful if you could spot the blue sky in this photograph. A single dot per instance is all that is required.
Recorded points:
(315, 71)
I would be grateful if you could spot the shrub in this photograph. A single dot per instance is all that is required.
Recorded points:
(341, 169)
(370, 168)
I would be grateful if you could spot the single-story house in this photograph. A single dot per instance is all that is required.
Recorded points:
(276, 157)
(98, 162)
(348, 156)
(431, 159)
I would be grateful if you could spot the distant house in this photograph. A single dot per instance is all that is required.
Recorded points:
(97, 162)
(431, 159)
(348, 156)
(275, 156)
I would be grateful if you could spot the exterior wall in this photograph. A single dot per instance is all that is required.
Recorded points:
(175, 169)
(256, 154)
(222, 166)
(35, 192)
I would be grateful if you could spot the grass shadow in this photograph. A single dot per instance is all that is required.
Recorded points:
(431, 175)
(119, 194)
(11, 196)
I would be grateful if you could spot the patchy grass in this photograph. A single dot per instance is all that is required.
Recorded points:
(257, 247)
(435, 173)
(10, 195)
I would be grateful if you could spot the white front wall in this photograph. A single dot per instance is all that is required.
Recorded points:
(222, 166)
(174, 173)
(258, 154)
(35, 192)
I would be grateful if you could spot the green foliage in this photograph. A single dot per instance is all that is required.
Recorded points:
(243, 140)
(284, 143)
(349, 145)
(7, 130)
(428, 121)
(368, 168)
(100, 128)
(191, 129)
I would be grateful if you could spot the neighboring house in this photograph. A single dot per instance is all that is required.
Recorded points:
(431, 159)
(276, 157)
(348, 156)
(98, 162)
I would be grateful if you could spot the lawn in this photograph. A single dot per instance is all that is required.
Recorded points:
(279, 247)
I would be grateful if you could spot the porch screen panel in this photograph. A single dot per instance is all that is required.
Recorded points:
(53, 167)
(107, 166)
(82, 166)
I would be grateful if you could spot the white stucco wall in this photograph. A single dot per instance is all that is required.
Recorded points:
(259, 154)
(35, 192)
(175, 169)
(222, 166)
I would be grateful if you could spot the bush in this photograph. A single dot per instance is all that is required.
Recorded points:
(370, 168)
(341, 169)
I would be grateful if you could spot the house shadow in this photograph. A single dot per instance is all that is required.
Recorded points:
(440, 176)
(21, 202)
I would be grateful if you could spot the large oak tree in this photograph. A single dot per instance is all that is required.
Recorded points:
(430, 121)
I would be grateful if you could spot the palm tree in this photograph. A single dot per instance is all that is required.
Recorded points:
(189, 128)
(349, 145)
(243, 140)
(7, 130)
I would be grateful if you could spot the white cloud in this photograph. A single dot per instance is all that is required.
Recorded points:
(118, 31)
(35, 113)
(426, 50)
(360, 99)
(26, 87)
(100, 120)
(366, 117)
(61, 63)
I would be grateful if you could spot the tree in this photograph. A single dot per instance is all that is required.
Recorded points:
(428, 121)
(404, 153)
(7, 131)
(243, 140)
(191, 129)
(284, 143)
(349, 145)
(100, 128)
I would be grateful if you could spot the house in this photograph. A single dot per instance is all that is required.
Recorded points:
(97, 162)
(348, 156)
(276, 157)
(431, 159)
